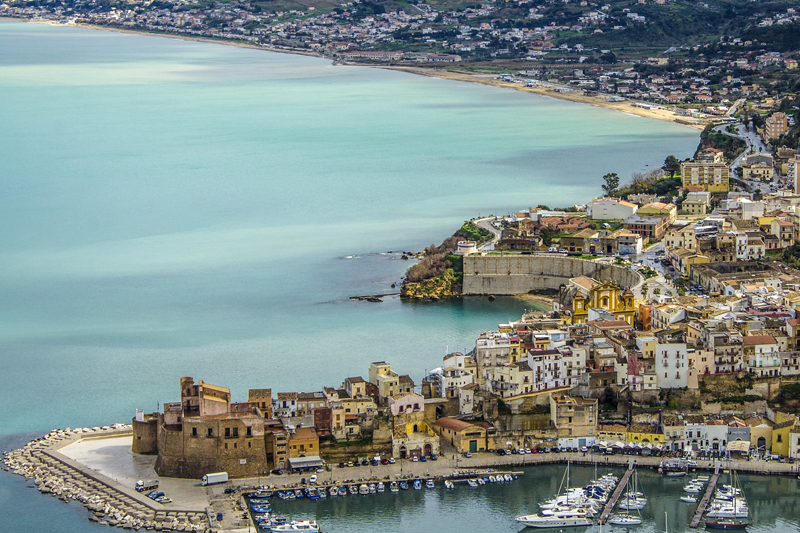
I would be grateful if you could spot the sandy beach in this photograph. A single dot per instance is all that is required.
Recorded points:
(542, 89)
(545, 89)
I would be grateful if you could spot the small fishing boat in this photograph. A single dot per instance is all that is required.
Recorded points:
(394, 487)
(430, 484)
(472, 483)
(334, 491)
(363, 489)
(449, 484)
(492, 479)
(404, 485)
(353, 489)
(417, 484)
(381, 487)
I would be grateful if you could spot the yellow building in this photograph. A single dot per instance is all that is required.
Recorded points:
(611, 433)
(607, 296)
(760, 433)
(711, 177)
(780, 433)
(659, 209)
(303, 443)
(465, 436)
(645, 433)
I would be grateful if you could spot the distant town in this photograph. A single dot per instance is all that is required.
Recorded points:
(702, 57)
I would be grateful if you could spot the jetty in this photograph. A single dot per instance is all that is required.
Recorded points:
(612, 501)
(701, 507)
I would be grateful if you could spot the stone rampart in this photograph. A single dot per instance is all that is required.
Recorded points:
(520, 274)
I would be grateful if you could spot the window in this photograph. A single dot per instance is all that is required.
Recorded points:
(226, 445)
(780, 437)
(210, 432)
(236, 432)
(249, 431)
(227, 433)
(194, 432)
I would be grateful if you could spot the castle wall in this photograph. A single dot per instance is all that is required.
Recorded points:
(520, 274)
(145, 436)
(184, 453)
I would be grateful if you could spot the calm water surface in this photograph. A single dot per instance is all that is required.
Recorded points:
(174, 208)
(492, 507)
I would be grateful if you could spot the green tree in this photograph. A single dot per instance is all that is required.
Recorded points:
(611, 183)
(671, 165)
(645, 289)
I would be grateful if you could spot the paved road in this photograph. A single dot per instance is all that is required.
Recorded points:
(489, 224)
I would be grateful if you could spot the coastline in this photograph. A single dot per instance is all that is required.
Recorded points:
(546, 90)
(542, 90)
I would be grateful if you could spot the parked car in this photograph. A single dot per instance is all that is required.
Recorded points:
(278, 472)
(384, 461)
(467, 454)
(434, 457)
(312, 479)
(423, 459)
(341, 465)
(391, 460)
(415, 459)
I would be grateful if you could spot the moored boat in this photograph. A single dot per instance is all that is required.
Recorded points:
(310, 526)
(727, 524)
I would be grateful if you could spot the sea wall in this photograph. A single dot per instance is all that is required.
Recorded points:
(110, 502)
(520, 274)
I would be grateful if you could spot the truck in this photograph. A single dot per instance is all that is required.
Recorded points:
(150, 484)
(216, 477)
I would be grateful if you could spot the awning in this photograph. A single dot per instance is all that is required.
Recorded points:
(312, 461)
(739, 446)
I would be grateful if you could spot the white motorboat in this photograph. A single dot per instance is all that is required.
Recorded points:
(570, 518)
(472, 483)
(688, 499)
(625, 520)
(449, 484)
(309, 526)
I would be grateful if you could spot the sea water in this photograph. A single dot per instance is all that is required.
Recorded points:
(174, 208)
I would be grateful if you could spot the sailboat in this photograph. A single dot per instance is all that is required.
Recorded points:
(564, 513)
(728, 507)
(626, 518)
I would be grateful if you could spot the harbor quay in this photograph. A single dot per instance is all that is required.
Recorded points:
(95, 467)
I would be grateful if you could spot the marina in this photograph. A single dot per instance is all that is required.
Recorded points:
(701, 507)
(615, 496)
(44, 462)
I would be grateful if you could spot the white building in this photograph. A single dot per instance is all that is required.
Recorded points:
(672, 366)
(610, 209)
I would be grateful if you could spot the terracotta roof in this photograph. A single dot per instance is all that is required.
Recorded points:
(452, 423)
(752, 340)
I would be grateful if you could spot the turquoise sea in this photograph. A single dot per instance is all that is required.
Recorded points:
(176, 208)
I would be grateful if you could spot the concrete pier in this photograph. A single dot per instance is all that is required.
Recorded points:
(612, 501)
(110, 502)
(701, 507)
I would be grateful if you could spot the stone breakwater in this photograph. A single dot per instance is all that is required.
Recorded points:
(39, 461)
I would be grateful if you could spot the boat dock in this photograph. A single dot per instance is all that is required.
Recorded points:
(612, 501)
(701, 507)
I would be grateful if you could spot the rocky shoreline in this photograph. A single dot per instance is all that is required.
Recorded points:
(38, 461)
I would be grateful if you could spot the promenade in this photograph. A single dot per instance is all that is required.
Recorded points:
(97, 468)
